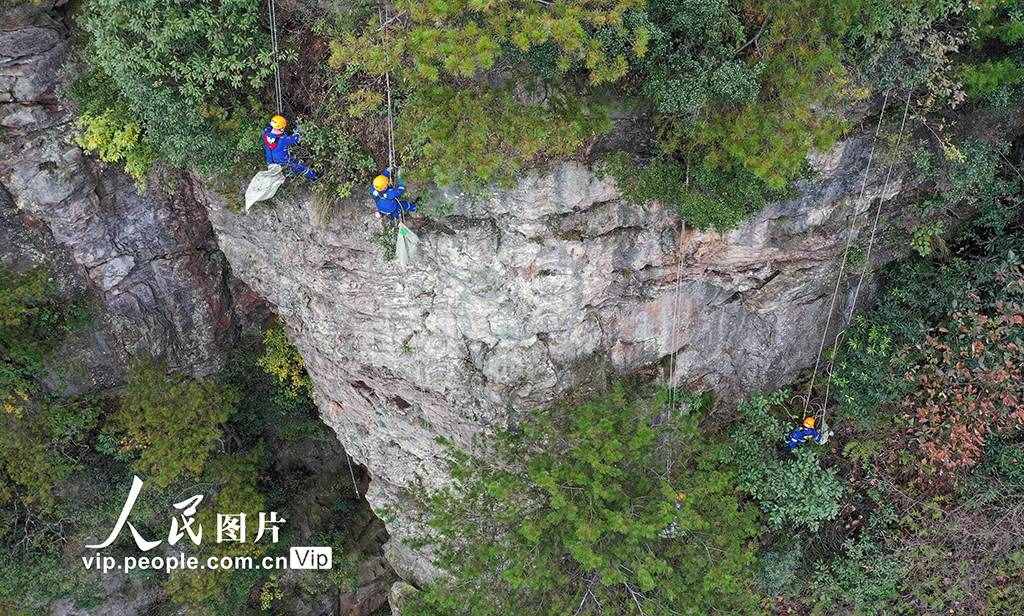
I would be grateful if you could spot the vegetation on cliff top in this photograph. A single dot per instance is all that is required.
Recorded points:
(723, 93)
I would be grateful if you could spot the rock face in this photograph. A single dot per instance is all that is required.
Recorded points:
(518, 298)
(149, 258)
(522, 296)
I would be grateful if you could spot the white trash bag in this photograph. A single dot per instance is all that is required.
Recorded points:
(264, 185)
(405, 245)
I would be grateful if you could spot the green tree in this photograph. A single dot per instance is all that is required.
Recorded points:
(171, 422)
(612, 506)
(188, 74)
(793, 491)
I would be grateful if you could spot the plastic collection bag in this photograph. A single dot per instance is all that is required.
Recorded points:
(264, 185)
(405, 245)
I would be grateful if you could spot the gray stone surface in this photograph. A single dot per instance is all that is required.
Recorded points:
(148, 259)
(525, 294)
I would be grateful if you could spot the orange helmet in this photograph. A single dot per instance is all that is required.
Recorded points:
(809, 422)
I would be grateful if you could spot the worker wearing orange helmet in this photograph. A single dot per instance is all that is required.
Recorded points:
(806, 433)
(276, 146)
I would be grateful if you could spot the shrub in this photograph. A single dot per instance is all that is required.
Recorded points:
(864, 578)
(793, 113)
(442, 42)
(794, 491)
(691, 64)
(282, 360)
(913, 46)
(706, 199)
(186, 73)
(170, 422)
(589, 509)
(468, 137)
(986, 78)
(115, 138)
(106, 126)
(969, 378)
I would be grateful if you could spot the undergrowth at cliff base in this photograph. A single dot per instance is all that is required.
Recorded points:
(248, 440)
(599, 507)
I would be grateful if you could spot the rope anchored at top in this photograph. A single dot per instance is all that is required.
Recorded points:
(278, 98)
(843, 264)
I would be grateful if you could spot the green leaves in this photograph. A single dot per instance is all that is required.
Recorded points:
(470, 137)
(173, 67)
(792, 490)
(577, 508)
(171, 422)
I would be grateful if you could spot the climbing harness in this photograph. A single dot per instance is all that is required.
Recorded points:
(822, 415)
(278, 99)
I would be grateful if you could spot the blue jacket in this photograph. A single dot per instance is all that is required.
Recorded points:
(388, 201)
(800, 436)
(275, 147)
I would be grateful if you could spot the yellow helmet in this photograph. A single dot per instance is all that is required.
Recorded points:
(279, 122)
(380, 183)
(809, 422)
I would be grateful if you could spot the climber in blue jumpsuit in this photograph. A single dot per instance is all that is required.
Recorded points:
(276, 145)
(806, 433)
(386, 192)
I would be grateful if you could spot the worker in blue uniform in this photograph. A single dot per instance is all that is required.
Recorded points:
(276, 148)
(386, 192)
(807, 433)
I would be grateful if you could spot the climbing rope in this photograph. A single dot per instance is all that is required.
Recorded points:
(355, 486)
(846, 255)
(822, 415)
(674, 324)
(391, 123)
(392, 163)
(278, 99)
(867, 256)
(382, 15)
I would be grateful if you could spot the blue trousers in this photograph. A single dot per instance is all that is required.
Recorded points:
(389, 210)
(298, 168)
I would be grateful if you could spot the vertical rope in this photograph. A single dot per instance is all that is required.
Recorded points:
(674, 323)
(278, 98)
(355, 486)
(391, 123)
(867, 258)
(382, 13)
(846, 255)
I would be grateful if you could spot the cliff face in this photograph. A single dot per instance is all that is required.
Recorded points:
(517, 299)
(524, 295)
(149, 259)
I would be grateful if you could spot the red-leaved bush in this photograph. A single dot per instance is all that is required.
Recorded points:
(969, 380)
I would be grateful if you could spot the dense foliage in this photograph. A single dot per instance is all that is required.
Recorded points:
(245, 440)
(793, 491)
(929, 423)
(721, 94)
(612, 506)
(172, 422)
(182, 79)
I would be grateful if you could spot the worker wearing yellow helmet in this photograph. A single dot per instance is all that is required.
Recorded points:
(386, 192)
(277, 145)
(806, 433)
